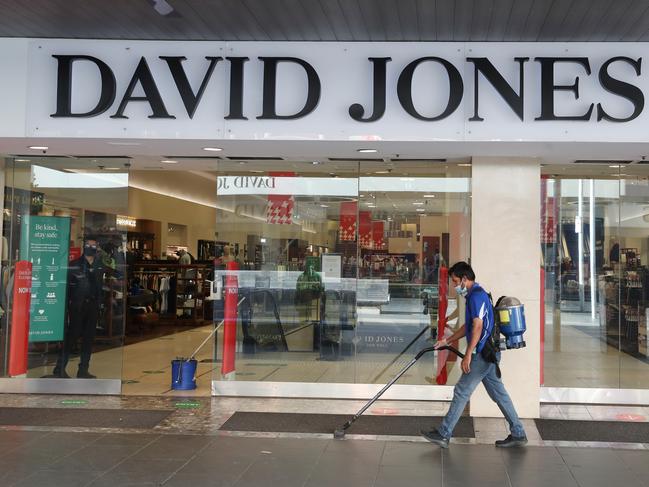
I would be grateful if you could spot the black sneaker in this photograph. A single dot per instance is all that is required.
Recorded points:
(434, 437)
(512, 442)
(84, 374)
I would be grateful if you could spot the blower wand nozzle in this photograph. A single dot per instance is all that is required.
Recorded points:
(339, 434)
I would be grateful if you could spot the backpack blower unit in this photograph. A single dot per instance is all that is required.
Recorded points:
(510, 322)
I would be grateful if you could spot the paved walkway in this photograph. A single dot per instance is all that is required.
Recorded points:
(38, 458)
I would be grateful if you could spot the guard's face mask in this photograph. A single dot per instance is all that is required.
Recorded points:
(90, 250)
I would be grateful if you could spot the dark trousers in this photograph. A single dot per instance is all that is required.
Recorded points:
(82, 324)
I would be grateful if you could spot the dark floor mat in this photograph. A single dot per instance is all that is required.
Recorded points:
(327, 423)
(90, 418)
(607, 431)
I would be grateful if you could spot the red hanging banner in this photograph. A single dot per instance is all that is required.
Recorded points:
(377, 234)
(279, 210)
(365, 228)
(347, 225)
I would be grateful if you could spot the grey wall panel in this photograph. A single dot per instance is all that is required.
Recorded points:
(317, 16)
(355, 20)
(337, 20)
(518, 19)
(443, 15)
(331, 20)
(373, 20)
(462, 19)
(502, 10)
(480, 20)
(608, 23)
(535, 20)
(390, 19)
(637, 14)
(572, 21)
(409, 19)
(595, 11)
(554, 19)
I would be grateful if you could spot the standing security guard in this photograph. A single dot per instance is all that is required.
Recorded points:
(85, 280)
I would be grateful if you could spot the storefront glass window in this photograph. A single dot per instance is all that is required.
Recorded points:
(338, 267)
(63, 274)
(595, 238)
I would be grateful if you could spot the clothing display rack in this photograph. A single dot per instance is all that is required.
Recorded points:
(178, 289)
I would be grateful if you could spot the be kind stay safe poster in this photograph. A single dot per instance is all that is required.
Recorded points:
(45, 243)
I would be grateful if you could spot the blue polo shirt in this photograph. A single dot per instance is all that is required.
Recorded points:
(478, 305)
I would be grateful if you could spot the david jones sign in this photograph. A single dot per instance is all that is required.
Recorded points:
(143, 88)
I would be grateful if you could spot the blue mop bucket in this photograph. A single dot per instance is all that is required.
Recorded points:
(183, 374)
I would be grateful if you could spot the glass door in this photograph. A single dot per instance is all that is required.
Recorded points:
(64, 231)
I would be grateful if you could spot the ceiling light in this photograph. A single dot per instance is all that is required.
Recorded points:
(464, 165)
(38, 147)
(212, 149)
(381, 172)
(429, 196)
(22, 160)
(169, 161)
(315, 163)
(615, 166)
(366, 151)
(417, 202)
(420, 209)
(112, 168)
(324, 206)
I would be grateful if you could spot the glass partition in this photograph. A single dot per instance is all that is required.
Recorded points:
(327, 271)
(414, 221)
(595, 249)
(63, 272)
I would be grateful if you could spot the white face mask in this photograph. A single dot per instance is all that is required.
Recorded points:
(461, 291)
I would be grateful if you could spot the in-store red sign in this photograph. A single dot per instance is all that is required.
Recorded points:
(19, 336)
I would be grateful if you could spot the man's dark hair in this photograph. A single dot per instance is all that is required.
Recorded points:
(462, 269)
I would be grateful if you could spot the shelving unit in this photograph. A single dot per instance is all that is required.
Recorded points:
(625, 323)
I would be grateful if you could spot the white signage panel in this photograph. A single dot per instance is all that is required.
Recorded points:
(326, 91)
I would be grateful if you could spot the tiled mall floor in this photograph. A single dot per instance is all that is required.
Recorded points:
(32, 458)
(188, 448)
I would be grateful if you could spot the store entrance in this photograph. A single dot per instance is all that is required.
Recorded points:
(336, 264)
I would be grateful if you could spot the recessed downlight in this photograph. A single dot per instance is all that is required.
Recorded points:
(366, 151)
(212, 149)
(38, 147)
